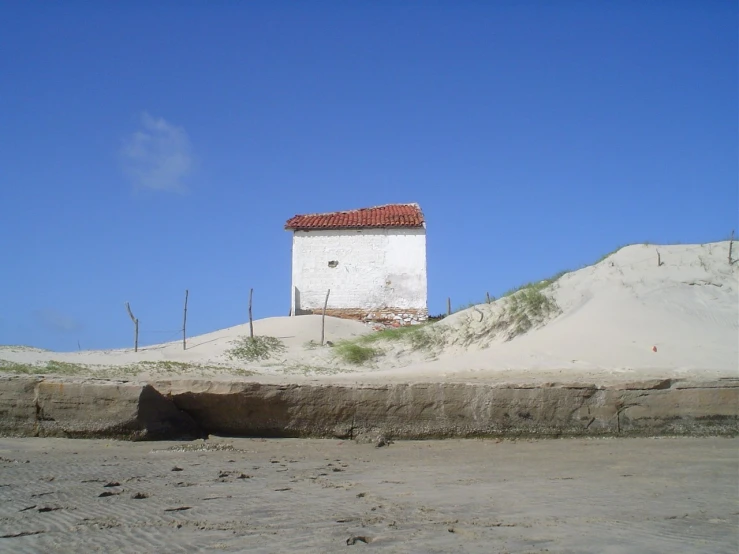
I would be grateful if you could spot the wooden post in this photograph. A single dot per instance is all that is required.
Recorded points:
(135, 328)
(731, 245)
(251, 323)
(487, 295)
(448, 306)
(659, 259)
(184, 323)
(323, 318)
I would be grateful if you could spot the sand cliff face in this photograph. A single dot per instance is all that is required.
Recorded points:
(33, 406)
(192, 408)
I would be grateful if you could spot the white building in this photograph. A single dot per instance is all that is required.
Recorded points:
(373, 260)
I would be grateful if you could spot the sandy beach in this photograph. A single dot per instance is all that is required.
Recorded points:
(399, 277)
(293, 495)
(660, 332)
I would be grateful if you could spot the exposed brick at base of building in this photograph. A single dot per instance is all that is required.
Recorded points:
(386, 316)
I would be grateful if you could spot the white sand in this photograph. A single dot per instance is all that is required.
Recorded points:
(609, 319)
(211, 349)
(614, 314)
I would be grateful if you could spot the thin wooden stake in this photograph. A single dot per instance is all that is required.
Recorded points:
(135, 328)
(251, 322)
(487, 295)
(479, 311)
(659, 259)
(731, 246)
(184, 323)
(323, 317)
(448, 306)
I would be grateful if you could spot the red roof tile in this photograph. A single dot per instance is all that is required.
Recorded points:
(391, 215)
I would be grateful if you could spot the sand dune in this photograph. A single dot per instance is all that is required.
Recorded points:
(295, 332)
(645, 311)
(624, 314)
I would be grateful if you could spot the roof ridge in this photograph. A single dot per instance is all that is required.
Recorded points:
(414, 204)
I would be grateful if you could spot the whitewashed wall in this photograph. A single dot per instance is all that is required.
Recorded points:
(375, 268)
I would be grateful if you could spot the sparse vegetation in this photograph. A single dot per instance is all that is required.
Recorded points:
(391, 334)
(353, 353)
(172, 367)
(427, 338)
(51, 367)
(539, 285)
(518, 311)
(238, 372)
(418, 337)
(65, 368)
(528, 288)
(611, 253)
(55, 367)
(306, 369)
(251, 349)
(528, 307)
(165, 365)
(469, 305)
(13, 367)
(21, 348)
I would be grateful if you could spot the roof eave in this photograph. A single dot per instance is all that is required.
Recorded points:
(357, 227)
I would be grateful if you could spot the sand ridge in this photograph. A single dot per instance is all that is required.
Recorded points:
(646, 311)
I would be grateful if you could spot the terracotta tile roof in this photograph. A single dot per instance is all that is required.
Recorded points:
(391, 215)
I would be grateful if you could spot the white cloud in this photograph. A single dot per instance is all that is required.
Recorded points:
(158, 156)
(56, 321)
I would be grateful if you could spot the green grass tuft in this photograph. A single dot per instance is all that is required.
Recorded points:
(418, 337)
(392, 334)
(427, 338)
(528, 307)
(21, 369)
(252, 349)
(520, 309)
(541, 285)
(354, 353)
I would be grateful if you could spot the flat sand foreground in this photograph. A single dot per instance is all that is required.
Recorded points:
(298, 495)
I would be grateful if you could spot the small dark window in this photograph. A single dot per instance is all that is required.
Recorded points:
(333, 263)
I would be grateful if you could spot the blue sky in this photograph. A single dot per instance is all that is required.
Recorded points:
(150, 147)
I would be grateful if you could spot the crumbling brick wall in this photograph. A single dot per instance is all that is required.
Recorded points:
(386, 316)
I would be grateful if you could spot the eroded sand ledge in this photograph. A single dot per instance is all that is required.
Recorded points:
(191, 408)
